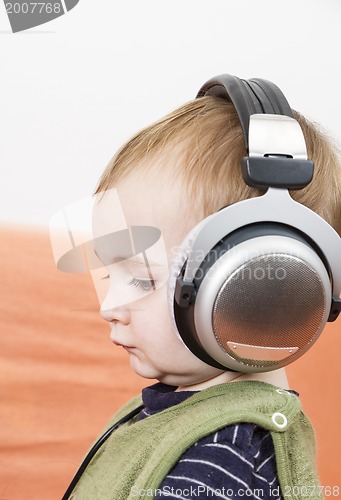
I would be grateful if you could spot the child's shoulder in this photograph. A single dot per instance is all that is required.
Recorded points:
(246, 438)
(126, 409)
(235, 455)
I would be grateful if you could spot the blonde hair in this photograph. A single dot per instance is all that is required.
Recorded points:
(206, 136)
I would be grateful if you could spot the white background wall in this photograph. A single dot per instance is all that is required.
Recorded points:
(74, 89)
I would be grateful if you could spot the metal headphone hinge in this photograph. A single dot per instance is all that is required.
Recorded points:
(277, 153)
(335, 309)
(184, 292)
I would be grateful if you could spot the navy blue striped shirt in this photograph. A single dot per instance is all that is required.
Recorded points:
(233, 463)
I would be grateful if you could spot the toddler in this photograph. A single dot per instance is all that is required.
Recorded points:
(201, 431)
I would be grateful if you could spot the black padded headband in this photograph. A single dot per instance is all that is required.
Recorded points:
(248, 97)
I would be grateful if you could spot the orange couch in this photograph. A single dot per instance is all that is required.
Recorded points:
(61, 378)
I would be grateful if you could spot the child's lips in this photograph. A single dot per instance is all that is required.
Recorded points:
(126, 347)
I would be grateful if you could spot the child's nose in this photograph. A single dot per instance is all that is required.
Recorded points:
(117, 314)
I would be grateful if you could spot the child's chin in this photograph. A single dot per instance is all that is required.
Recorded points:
(149, 372)
(143, 369)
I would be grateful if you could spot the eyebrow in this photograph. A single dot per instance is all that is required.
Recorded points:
(140, 259)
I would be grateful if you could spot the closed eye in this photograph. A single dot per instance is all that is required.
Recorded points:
(146, 285)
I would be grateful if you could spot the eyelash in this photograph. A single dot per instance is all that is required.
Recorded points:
(146, 285)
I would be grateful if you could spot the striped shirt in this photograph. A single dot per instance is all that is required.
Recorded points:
(235, 462)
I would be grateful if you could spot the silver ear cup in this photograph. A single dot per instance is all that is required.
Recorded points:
(262, 304)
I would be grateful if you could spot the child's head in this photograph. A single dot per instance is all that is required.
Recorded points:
(203, 144)
(171, 175)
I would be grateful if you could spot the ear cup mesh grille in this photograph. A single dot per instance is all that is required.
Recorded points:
(275, 300)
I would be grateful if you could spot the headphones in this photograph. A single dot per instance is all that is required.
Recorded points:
(255, 283)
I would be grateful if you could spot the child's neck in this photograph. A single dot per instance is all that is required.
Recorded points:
(276, 377)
